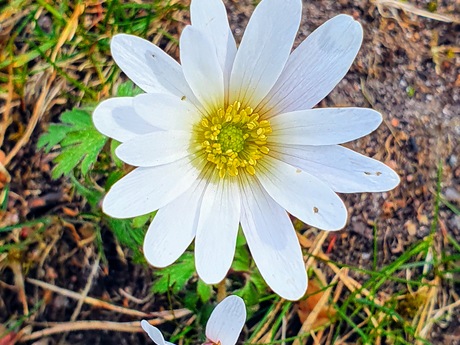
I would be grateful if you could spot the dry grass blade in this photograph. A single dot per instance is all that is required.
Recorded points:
(404, 6)
(426, 320)
(69, 30)
(263, 330)
(15, 266)
(6, 110)
(308, 324)
(317, 245)
(39, 110)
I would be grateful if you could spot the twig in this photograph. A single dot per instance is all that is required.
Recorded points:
(89, 300)
(85, 292)
(131, 327)
(134, 299)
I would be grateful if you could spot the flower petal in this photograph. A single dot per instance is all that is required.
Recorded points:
(201, 68)
(273, 242)
(148, 66)
(154, 333)
(217, 230)
(155, 148)
(323, 126)
(169, 235)
(344, 170)
(145, 190)
(166, 111)
(316, 66)
(264, 50)
(303, 195)
(226, 321)
(210, 16)
(116, 118)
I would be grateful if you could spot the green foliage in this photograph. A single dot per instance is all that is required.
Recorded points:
(126, 233)
(242, 260)
(204, 291)
(253, 289)
(80, 142)
(130, 232)
(90, 193)
(128, 89)
(176, 276)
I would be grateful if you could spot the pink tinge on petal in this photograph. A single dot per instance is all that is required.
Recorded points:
(226, 321)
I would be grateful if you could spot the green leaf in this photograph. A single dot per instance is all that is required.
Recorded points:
(249, 293)
(204, 291)
(126, 233)
(113, 146)
(128, 89)
(140, 221)
(113, 177)
(242, 261)
(174, 277)
(253, 289)
(91, 194)
(258, 281)
(80, 142)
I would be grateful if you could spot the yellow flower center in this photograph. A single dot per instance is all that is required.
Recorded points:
(233, 139)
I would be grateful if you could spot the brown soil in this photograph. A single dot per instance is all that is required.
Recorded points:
(397, 72)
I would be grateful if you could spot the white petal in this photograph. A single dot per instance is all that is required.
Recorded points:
(166, 111)
(227, 321)
(316, 66)
(273, 242)
(154, 333)
(303, 195)
(145, 190)
(264, 50)
(217, 230)
(116, 118)
(326, 126)
(344, 170)
(173, 228)
(210, 17)
(149, 67)
(201, 68)
(155, 148)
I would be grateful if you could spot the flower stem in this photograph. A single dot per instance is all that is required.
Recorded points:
(221, 291)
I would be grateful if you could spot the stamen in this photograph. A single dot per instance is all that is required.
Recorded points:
(233, 140)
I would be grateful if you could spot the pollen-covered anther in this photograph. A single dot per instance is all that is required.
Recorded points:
(234, 139)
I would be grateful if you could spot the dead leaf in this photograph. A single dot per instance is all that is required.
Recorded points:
(314, 293)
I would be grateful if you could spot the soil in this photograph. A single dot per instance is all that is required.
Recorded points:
(398, 72)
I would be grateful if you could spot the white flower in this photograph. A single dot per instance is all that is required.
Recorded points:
(229, 138)
(223, 328)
